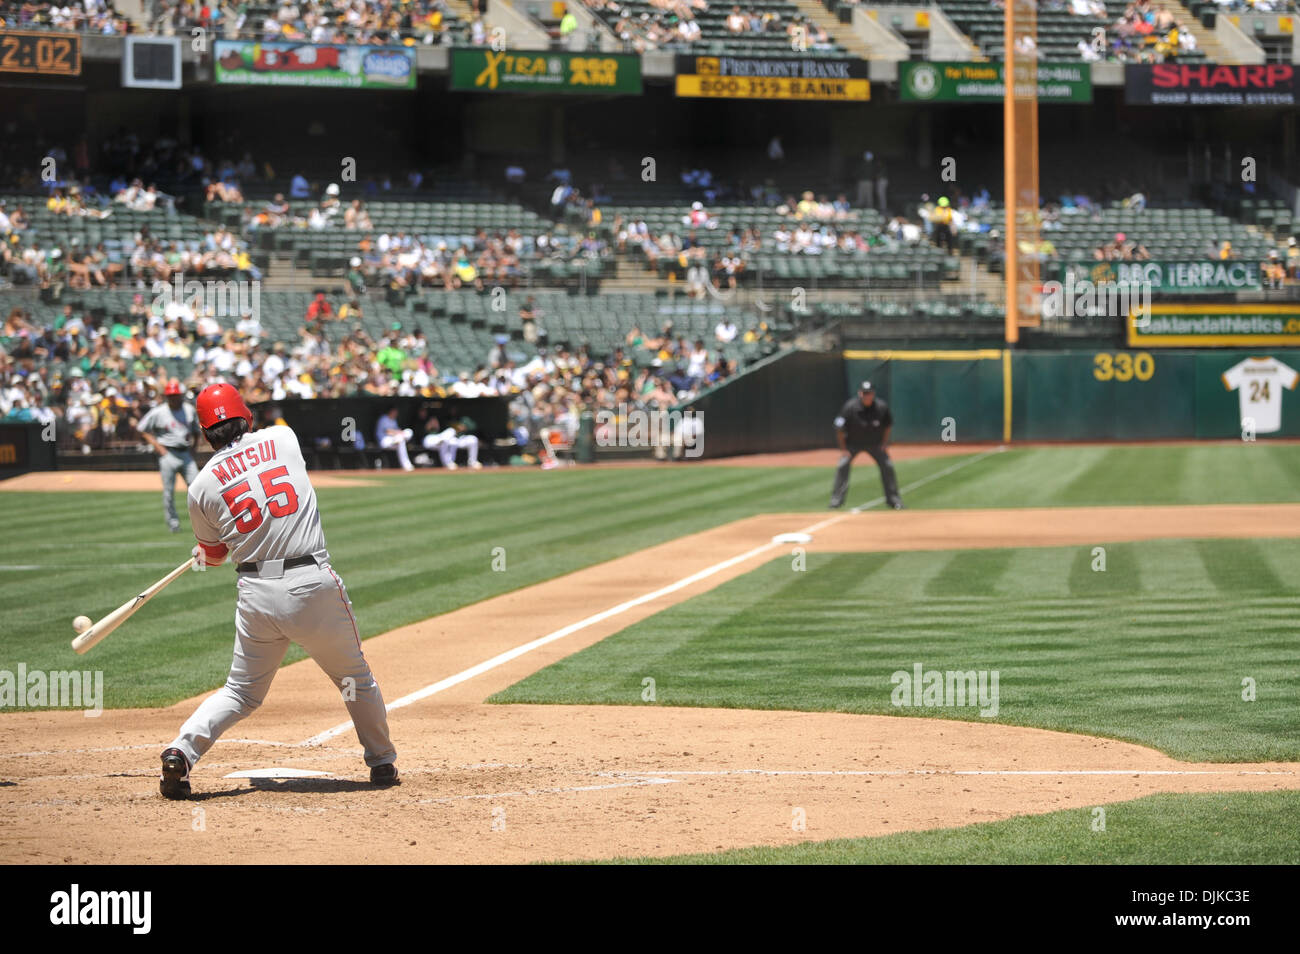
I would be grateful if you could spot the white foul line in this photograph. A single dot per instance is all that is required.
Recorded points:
(502, 658)
(505, 657)
(895, 772)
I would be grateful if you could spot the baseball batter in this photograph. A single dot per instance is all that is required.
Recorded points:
(254, 503)
(172, 429)
(863, 424)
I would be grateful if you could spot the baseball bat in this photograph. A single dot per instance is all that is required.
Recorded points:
(113, 620)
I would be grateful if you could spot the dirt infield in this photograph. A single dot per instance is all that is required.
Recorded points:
(487, 783)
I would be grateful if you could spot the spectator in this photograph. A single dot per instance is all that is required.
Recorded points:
(320, 310)
(725, 331)
(941, 220)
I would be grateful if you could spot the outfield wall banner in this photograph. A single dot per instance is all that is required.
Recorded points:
(985, 82)
(1083, 395)
(776, 78)
(1216, 326)
(310, 64)
(540, 71)
(1175, 84)
(931, 391)
(1170, 278)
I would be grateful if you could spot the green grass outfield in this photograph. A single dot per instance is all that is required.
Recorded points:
(1152, 650)
(1200, 829)
(416, 547)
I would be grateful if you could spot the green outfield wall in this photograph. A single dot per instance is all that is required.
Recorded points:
(1079, 395)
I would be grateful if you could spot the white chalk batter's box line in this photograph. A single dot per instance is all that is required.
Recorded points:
(634, 779)
(709, 773)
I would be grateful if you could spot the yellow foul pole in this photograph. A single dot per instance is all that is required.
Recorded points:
(1011, 263)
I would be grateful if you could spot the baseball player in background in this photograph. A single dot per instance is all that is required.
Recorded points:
(450, 440)
(254, 503)
(172, 429)
(391, 437)
(864, 424)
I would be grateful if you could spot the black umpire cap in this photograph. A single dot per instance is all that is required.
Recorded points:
(865, 386)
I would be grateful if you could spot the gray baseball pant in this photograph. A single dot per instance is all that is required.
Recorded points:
(888, 479)
(169, 465)
(308, 605)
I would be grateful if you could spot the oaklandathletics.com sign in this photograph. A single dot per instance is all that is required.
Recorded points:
(1173, 84)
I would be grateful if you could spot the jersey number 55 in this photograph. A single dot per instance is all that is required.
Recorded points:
(245, 509)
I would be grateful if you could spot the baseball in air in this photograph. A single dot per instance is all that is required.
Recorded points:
(81, 624)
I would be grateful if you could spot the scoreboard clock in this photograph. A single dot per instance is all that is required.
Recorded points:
(49, 54)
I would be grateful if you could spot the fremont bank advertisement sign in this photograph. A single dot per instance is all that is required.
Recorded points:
(1170, 84)
(804, 77)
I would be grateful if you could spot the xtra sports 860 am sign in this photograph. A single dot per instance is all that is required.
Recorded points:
(522, 71)
(1208, 326)
(985, 82)
(796, 78)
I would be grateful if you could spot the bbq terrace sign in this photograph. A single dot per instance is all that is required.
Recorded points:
(1172, 84)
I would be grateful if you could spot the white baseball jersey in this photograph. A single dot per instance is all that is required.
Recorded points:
(173, 429)
(1259, 383)
(256, 498)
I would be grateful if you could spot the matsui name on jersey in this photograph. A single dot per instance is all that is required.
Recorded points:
(240, 461)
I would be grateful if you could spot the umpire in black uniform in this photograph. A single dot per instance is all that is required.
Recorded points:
(863, 425)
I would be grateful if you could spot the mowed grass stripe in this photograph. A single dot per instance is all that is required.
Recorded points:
(536, 550)
(1239, 566)
(1259, 472)
(1102, 572)
(408, 549)
(1161, 671)
(970, 573)
(1171, 829)
(417, 546)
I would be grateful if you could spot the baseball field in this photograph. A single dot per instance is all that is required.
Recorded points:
(1078, 654)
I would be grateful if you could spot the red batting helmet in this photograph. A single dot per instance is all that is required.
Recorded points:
(173, 387)
(221, 402)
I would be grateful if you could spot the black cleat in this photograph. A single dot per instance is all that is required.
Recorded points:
(384, 775)
(898, 505)
(175, 780)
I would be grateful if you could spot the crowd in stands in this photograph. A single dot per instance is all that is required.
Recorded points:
(1123, 249)
(810, 225)
(83, 16)
(219, 254)
(98, 375)
(675, 23)
(390, 22)
(1146, 32)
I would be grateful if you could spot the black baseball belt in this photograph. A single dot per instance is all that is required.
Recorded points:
(288, 564)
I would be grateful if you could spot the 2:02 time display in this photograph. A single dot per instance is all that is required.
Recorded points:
(57, 54)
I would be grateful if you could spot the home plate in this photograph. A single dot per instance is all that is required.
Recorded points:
(276, 773)
(792, 538)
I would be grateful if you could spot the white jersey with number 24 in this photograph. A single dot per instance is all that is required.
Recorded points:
(1259, 383)
(256, 498)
